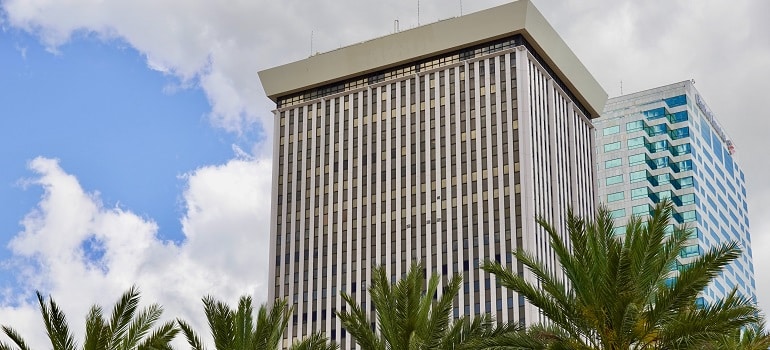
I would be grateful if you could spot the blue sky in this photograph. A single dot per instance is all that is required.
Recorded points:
(95, 106)
(155, 114)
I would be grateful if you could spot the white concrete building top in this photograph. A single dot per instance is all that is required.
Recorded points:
(519, 17)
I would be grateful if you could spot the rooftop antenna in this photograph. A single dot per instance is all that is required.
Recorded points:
(311, 43)
(418, 12)
(395, 26)
(461, 7)
(621, 87)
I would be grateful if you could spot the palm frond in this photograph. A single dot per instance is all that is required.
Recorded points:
(221, 320)
(140, 326)
(244, 324)
(96, 330)
(56, 325)
(160, 338)
(271, 325)
(16, 338)
(355, 322)
(192, 338)
(122, 315)
(315, 341)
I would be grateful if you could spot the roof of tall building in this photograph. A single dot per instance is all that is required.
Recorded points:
(519, 17)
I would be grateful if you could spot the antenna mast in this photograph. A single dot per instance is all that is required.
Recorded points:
(311, 43)
(418, 12)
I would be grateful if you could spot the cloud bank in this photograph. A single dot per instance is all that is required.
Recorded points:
(82, 252)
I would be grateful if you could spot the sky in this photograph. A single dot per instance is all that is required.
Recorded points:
(135, 138)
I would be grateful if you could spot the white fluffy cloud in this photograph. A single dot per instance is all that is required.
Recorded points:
(82, 252)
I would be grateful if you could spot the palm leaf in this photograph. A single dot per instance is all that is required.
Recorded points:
(122, 315)
(15, 337)
(160, 338)
(56, 325)
(192, 338)
(315, 341)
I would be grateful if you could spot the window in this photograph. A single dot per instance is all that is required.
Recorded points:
(641, 192)
(676, 101)
(655, 130)
(611, 130)
(655, 113)
(684, 165)
(664, 195)
(634, 126)
(612, 163)
(613, 180)
(618, 213)
(614, 197)
(685, 182)
(657, 146)
(637, 176)
(620, 230)
(690, 251)
(660, 163)
(612, 146)
(662, 179)
(636, 142)
(687, 216)
(681, 149)
(686, 199)
(677, 117)
(643, 209)
(636, 159)
(679, 133)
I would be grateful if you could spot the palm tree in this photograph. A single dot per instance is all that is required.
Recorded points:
(235, 329)
(752, 337)
(410, 317)
(125, 330)
(619, 292)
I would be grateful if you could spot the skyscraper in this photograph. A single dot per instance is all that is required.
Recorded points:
(666, 143)
(437, 144)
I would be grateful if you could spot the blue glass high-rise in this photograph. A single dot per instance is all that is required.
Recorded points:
(666, 143)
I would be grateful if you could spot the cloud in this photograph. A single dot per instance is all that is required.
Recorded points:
(221, 46)
(82, 252)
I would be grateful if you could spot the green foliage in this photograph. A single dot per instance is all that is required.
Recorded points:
(409, 316)
(236, 329)
(611, 292)
(126, 329)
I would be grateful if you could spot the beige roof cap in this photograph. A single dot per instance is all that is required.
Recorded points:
(519, 17)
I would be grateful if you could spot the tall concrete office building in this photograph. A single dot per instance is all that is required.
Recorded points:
(437, 144)
(666, 143)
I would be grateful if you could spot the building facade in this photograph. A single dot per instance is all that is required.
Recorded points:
(439, 144)
(666, 143)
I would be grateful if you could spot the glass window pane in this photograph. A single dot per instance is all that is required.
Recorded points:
(612, 146)
(613, 180)
(637, 176)
(636, 159)
(634, 126)
(636, 142)
(611, 130)
(638, 193)
(612, 163)
(619, 213)
(643, 209)
(614, 197)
